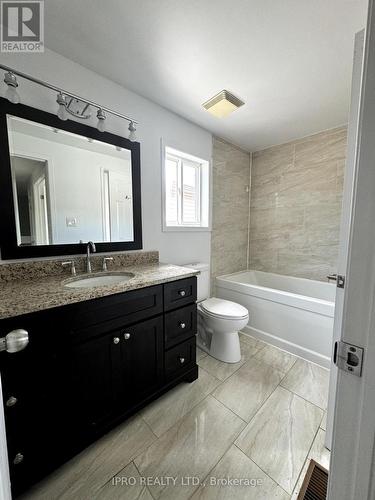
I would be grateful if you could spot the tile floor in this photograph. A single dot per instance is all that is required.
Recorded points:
(259, 421)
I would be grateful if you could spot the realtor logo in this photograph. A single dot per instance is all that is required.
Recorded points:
(22, 26)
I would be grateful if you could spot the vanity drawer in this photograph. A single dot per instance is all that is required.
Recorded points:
(180, 293)
(179, 358)
(180, 325)
(99, 316)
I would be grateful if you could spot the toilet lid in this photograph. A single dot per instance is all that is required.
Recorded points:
(224, 308)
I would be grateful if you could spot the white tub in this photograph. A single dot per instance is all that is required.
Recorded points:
(294, 314)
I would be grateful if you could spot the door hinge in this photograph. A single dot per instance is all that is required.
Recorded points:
(348, 357)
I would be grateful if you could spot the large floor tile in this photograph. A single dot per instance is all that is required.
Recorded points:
(126, 485)
(237, 465)
(280, 435)
(319, 453)
(165, 411)
(277, 358)
(257, 344)
(323, 423)
(85, 474)
(200, 354)
(246, 390)
(190, 448)
(309, 381)
(222, 370)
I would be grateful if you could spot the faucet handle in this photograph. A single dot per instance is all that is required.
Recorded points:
(105, 260)
(72, 265)
(332, 277)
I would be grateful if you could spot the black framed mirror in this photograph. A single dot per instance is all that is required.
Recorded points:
(63, 183)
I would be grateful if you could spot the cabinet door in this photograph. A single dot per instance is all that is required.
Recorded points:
(95, 380)
(31, 386)
(142, 350)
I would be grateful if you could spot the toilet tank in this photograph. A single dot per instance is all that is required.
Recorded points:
(203, 279)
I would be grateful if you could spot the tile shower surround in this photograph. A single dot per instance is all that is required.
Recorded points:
(230, 208)
(292, 224)
(295, 207)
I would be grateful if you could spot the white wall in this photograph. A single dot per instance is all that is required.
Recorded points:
(156, 123)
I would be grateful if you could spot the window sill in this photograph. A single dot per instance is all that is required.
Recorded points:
(186, 229)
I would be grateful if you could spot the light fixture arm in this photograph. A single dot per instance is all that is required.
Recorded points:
(66, 93)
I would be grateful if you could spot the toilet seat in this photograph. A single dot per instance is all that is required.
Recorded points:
(223, 309)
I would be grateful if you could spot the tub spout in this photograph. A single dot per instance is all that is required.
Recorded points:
(332, 277)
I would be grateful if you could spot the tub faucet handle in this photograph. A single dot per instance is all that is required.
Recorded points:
(332, 277)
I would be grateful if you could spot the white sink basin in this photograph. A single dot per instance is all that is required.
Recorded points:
(102, 279)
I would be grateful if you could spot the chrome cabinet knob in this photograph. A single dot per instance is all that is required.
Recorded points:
(116, 340)
(126, 336)
(182, 293)
(15, 341)
(182, 325)
(11, 401)
(18, 459)
(182, 360)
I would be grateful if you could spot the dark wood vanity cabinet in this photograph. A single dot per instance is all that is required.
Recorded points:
(113, 372)
(87, 367)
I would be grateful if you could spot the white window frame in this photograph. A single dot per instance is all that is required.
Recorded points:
(204, 201)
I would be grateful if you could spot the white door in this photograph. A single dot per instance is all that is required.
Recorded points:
(121, 206)
(346, 218)
(40, 211)
(16, 211)
(5, 493)
(352, 464)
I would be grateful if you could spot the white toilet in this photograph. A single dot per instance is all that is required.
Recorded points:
(219, 321)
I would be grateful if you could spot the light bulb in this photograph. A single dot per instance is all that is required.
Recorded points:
(11, 92)
(101, 125)
(132, 129)
(12, 95)
(62, 113)
(101, 120)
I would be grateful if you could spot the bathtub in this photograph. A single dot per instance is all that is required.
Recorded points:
(294, 314)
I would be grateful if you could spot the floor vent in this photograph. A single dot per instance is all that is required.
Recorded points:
(314, 485)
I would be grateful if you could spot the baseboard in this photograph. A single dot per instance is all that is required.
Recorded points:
(296, 349)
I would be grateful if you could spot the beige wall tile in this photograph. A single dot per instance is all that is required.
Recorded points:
(296, 198)
(230, 209)
(295, 207)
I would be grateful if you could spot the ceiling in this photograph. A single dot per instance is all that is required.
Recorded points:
(289, 60)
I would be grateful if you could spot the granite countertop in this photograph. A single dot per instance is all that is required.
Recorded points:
(25, 296)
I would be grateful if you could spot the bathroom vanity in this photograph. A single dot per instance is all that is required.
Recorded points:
(90, 364)
(79, 354)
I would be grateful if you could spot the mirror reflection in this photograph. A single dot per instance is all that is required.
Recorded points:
(67, 188)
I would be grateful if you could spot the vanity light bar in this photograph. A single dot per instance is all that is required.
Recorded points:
(13, 83)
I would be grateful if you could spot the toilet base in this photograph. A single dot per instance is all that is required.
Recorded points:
(224, 347)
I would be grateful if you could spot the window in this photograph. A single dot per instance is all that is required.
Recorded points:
(186, 192)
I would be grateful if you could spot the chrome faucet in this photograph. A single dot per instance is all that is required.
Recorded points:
(90, 247)
(332, 277)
